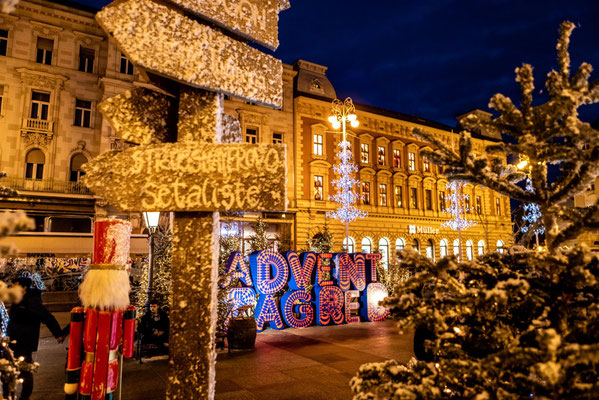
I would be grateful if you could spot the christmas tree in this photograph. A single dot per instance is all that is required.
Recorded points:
(522, 324)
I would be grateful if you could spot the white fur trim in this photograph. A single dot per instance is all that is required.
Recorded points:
(105, 289)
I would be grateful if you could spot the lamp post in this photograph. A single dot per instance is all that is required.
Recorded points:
(151, 220)
(346, 196)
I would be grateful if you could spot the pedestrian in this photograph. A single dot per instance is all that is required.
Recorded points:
(154, 328)
(25, 318)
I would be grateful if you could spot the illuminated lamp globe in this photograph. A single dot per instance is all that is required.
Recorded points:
(352, 117)
(332, 119)
(336, 125)
(355, 123)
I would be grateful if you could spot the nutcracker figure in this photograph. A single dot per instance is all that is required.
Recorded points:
(106, 319)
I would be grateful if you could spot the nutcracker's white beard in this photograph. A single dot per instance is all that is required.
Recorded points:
(105, 289)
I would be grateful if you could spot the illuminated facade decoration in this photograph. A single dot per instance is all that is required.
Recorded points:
(237, 269)
(351, 305)
(374, 312)
(329, 305)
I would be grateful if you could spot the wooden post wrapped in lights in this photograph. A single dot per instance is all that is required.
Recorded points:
(182, 163)
(97, 327)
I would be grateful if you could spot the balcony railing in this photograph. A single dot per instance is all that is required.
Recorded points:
(51, 186)
(37, 125)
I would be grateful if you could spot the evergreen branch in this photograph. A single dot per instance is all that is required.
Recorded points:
(588, 220)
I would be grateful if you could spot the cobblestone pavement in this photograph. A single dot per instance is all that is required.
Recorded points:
(311, 363)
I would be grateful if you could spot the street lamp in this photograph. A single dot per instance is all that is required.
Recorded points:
(344, 113)
(151, 220)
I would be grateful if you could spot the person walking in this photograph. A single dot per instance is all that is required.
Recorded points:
(25, 318)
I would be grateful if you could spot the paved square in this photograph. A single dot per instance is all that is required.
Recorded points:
(311, 363)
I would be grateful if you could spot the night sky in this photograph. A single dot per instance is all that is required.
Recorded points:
(434, 59)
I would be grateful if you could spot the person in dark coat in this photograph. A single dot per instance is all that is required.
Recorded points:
(24, 322)
(154, 327)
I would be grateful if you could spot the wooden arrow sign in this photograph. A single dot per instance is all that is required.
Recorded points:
(191, 177)
(166, 42)
(256, 20)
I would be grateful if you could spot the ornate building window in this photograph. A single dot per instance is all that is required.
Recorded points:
(414, 198)
(497, 206)
(443, 248)
(400, 244)
(469, 250)
(481, 247)
(426, 164)
(397, 158)
(318, 187)
(44, 51)
(412, 161)
(500, 247)
(398, 196)
(126, 65)
(277, 138)
(456, 248)
(34, 165)
(384, 249)
(3, 42)
(416, 245)
(479, 205)
(86, 59)
(366, 193)
(251, 135)
(77, 162)
(83, 113)
(317, 149)
(442, 201)
(382, 194)
(467, 204)
(349, 245)
(40, 105)
(430, 249)
(366, 245)
(428, 198)
(381, 155)
(364, 153)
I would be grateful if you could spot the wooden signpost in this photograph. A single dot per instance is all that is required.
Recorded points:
(181, 164)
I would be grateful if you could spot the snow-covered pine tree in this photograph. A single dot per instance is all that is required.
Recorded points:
(522, 324)
(259, 240)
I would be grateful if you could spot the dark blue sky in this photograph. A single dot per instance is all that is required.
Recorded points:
(436, 58)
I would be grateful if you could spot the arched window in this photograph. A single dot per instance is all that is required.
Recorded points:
(349, 245)
(430, 249)
(34, 168)
(366, 245)
(77, 162)
(443, 248)
(384, 249)
(469, 250)
(400, 244)
(416, 246)
(456, 249)
(500, 248)
(481, 247)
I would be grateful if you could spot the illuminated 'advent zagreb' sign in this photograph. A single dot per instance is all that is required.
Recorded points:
(351, 285)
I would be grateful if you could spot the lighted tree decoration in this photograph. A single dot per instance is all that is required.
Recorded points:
(345, 183)
(458, 208)
(532, 214)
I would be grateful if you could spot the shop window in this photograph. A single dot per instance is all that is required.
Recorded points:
(500, 247)
(44, 51)
(366, 193)
(381, 155)
(318, 187)
(83, 113)
(426, 165)
(456, 248)
(317, 149)
(443, 248)
(414, 198)
(382, 195)
(277, 138)
(364, 153)
(126, 65)
(398, 196)
(412, 161)
(40, 105)
(86, 59)
(251, 135)
(349, 245)
(428, 197)
(34, 165)
(3, 42)
(366, 245)
(77, 162)
(397, 158)
(400, 244)
(416, 245)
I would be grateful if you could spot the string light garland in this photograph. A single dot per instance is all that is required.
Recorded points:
(458, 207)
